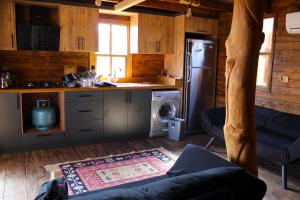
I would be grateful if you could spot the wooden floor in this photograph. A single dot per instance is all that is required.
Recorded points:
(22, 174)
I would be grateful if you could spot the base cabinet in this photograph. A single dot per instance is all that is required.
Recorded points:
(127, 113)
(115, 113)
(90, 116)
(139, 112)
(84, 116)
(36, 141)
(10, 123)
(84, 130)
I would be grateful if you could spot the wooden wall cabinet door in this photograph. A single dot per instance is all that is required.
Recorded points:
(88, 29)
(152, 34)
(202, 25)
(10, 123)
(68, 29)
(78, 29)
(8, 25)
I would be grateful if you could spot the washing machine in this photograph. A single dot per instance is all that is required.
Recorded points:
(165, 105)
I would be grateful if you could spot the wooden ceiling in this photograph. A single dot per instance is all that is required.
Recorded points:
(205, 8)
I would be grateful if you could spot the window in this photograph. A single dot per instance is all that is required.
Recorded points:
(112, 55)
(266, 54)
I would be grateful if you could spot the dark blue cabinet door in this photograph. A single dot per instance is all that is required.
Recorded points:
(115, 113)
(139, 112)
(10, 122)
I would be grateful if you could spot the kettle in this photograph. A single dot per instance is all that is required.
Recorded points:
(3, 82)
(7, 78)
(43, 115)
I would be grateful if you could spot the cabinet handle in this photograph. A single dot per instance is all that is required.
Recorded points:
(157, 46)
(129, 97)
(18, 101)
(202, 31)
(78, 43)
(44, 135)
(85, 130)
(83, 42)
(84, 111)
(84, 96)
(12, 41)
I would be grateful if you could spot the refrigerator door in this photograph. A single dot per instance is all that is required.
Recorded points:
(201, 96)
(202, 53)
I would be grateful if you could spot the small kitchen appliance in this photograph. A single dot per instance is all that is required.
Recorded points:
(43, 115)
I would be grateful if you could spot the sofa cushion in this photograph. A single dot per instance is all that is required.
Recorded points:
(271, 139)
(194, 159)
(284, 124)
(226, 182)
(261, 116)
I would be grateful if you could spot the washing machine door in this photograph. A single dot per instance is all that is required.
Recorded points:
(166, 110)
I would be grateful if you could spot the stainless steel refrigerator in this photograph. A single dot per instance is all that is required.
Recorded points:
(199, 81)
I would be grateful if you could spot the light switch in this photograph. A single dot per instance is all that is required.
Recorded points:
(284, 79)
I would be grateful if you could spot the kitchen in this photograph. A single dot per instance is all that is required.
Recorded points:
(131, 63)
(102, 98)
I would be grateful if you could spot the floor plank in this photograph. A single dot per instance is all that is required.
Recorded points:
(15, 180)
(22, 174)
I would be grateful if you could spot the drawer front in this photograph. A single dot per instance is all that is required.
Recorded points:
(38, 140)
(82, 111)
(83, 96)
(84, 130)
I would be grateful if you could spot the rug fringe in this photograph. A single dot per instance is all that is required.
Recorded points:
(55, 170)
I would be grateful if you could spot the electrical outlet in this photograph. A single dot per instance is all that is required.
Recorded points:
(284, 79)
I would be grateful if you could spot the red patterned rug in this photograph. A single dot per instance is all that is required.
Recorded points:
(94, 174)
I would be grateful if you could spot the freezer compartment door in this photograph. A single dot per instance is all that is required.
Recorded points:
(202, 54)
(200, 97)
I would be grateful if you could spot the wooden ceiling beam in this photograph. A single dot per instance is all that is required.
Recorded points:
(176, 7)
(154, 4)
(123, 5)
(180, 8)
(215, 5)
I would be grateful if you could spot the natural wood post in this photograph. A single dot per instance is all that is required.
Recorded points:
(242, 49)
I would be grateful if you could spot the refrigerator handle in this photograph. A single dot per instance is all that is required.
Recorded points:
(189, 68)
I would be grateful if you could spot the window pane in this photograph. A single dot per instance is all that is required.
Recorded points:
(103, 66)
(262, 70)
(119, 39)
(104, 38)
(268, 30)
(119, 67)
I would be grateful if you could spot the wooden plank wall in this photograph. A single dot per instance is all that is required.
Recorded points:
(49, 66)
(41, 65)
(283, 96)
(147, 66)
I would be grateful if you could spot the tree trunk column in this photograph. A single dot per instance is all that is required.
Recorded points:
(242, 49)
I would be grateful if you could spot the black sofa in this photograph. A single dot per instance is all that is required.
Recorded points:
(196, 175)
(278, 135)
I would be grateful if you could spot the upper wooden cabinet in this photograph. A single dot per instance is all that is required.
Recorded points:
(78, 28)
(202, 25)
(8, 25)
(151, 34)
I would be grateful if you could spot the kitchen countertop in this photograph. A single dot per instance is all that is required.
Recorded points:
(120, 86)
